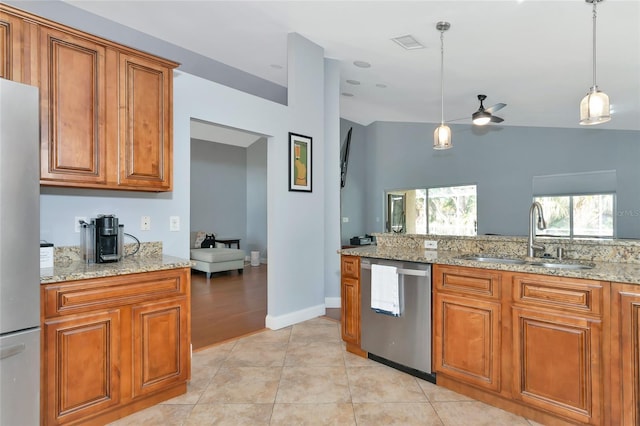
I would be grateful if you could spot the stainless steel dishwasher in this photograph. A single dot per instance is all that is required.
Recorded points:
(404, 341)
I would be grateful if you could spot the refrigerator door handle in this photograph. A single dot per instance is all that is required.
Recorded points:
(12, 350)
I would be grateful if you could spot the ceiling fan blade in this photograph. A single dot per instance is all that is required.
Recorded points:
(495, 119)
(496, 107)
(457, 119)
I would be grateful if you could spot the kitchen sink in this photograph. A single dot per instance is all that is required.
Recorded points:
(515, 261)
(494, 259)
(561, 265)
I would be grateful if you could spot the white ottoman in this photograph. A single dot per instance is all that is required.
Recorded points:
(211, 260)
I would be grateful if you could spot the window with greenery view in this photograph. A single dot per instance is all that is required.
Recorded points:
(447, 210)
(580, 216)
(452, 210)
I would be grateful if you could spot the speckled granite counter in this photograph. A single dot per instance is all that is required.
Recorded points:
(390, 247)
(68, 266)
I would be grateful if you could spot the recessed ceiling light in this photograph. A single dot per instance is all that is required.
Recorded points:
(408, 42)
(354, 82)
(347, 94)
(362, 64)
(276, 66)
(382, 86)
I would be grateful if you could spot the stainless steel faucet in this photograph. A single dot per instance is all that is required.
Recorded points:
(532, 246)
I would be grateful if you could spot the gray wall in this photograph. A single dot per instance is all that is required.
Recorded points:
(352, 195)
(257, 198)
(219, 189)
(501, 161)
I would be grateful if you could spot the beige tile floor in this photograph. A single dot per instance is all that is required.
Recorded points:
(301, 375)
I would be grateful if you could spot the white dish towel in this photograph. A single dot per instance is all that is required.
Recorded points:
(385, 295)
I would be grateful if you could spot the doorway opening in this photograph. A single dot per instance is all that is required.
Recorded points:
(229, 199)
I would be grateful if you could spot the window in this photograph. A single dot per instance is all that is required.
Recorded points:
(581, 216)
(447, 210)
(452, 210)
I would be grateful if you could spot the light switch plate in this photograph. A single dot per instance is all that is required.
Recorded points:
(174, 223)
(145, 223)
(431, 244)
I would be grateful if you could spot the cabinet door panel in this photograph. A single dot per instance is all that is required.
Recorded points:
(351, 267)
(72, 96)
(145, 133)
(9, 32)
(625, 359)
(467, 340)
(158, 356)
(82, 361)
(557, 363)
(461, 280)
(351, 310)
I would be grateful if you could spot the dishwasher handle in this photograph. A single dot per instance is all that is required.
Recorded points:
(402, 271)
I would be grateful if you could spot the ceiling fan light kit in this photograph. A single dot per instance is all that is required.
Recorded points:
(485, 116)
(594, 107)
(442, 134)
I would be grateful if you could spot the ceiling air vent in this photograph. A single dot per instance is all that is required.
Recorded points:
(408, 42)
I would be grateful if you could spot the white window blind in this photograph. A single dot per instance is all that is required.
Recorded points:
(596, 182)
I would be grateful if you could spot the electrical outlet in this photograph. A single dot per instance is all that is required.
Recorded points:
(174, 223)
(430, 244)
(76, 223)
(145, 223)
(345, 219)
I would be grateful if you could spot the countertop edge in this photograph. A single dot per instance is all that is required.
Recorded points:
(602, 271)
(78, 270)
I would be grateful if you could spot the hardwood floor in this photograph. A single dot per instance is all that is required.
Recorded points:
(227, 305)
(230, 305)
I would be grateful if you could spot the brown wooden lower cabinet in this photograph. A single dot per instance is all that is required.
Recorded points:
(557, 364)
(82, 365)
(350, 303)
(528, 343)
(467, 340)
(112, 346)
(625, 354)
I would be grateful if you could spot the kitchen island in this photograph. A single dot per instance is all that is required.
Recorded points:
(116, 336)
(557, 345)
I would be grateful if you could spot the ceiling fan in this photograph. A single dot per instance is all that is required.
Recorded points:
(484, 115)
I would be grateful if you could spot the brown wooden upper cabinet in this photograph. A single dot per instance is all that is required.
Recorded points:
(105, 109)
(73, 80)
(16, 38)
(145, 89)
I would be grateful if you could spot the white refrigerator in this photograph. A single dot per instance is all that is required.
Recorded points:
(19, 255)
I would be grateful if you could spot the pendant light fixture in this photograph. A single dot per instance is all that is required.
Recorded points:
(442, 134)
(594, 108)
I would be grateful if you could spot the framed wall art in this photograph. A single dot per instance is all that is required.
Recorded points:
(300, 162)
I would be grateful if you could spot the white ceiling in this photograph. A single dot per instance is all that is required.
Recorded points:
(533, 55)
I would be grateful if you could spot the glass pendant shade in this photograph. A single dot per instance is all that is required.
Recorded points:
(594, 108)
(442, 134)
(442, 137)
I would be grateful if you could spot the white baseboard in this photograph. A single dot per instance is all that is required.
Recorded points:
(332, 302)
(282, 321)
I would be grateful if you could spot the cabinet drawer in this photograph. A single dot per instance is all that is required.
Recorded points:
(351, 267)
(563, 293)
(79, 296)
(478, 282)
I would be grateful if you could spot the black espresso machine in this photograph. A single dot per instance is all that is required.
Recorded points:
(102, 239)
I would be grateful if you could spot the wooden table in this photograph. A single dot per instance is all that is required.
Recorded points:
(228, 241)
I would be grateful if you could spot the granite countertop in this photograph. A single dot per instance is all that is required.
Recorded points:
(68, 265)
(603, 271)
(79, 270)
